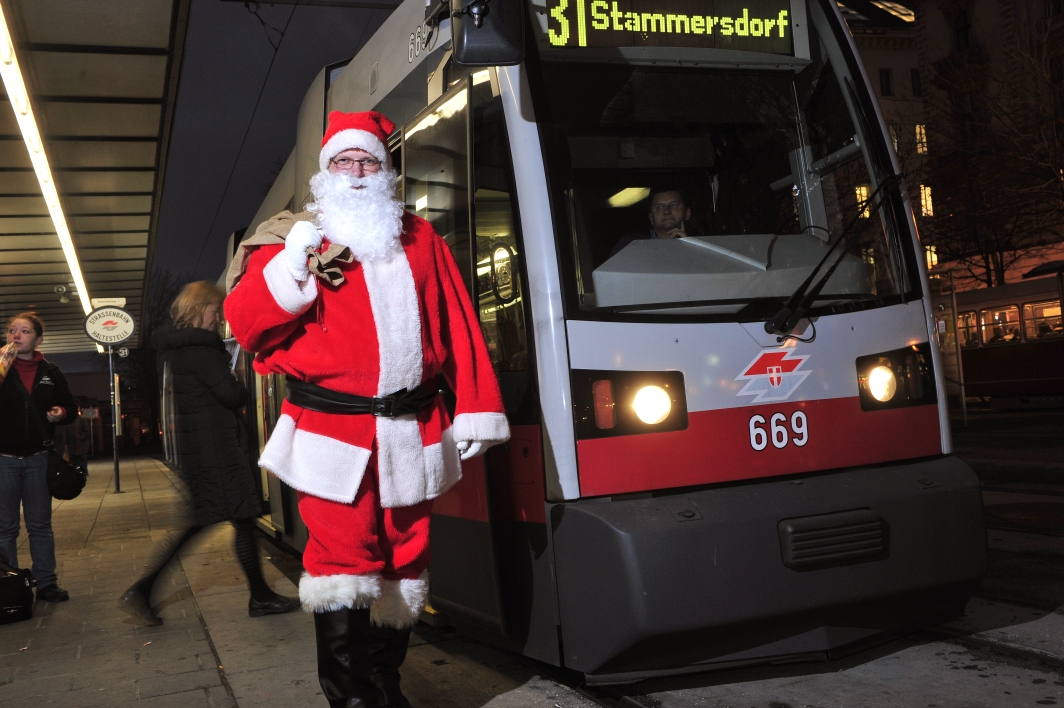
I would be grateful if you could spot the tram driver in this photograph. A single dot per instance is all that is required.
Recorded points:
(668, 214)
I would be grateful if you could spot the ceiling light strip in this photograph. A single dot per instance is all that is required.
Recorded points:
(20, 102)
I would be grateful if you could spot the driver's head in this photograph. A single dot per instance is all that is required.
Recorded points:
(668, 211)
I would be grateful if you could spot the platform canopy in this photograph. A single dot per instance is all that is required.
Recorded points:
(102, 80)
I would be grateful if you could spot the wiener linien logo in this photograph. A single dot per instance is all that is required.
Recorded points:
(773, 376)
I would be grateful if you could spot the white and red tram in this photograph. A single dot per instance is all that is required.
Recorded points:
(685, 489)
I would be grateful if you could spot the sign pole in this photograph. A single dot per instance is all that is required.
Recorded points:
(957, 346)
(114, 418)
(109, 324)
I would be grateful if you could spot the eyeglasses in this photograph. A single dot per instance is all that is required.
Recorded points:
(346, 163)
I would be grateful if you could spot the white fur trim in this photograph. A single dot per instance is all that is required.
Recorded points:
(353, 138)
(326, 593)
(293, 296)
(440, 469)
(400, 454)
(396, 314)
(488, 428)
(312, 463)
(401, 602)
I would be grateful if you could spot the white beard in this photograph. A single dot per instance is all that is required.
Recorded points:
(369, 221)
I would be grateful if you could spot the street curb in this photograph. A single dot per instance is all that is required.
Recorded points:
(1013, 471)
(976, 642)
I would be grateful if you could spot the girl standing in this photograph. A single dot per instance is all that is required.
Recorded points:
(34, 398)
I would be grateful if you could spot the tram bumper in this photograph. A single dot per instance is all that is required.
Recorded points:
(760, 573)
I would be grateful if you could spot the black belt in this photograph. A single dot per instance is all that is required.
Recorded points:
(324, 400)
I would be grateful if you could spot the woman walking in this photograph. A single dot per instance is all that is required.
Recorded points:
(34, 398)
(210, 455)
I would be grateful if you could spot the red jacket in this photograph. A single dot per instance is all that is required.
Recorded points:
(389, 325)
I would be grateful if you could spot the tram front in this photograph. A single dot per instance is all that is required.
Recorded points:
(748, 433)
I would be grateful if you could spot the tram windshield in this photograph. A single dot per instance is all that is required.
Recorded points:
(702, 189)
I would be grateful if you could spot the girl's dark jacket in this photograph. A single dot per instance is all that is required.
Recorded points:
(208, 432)
(18, 433)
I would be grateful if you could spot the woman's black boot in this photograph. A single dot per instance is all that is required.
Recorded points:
(264, 601)
(345, 646)
(386, 662)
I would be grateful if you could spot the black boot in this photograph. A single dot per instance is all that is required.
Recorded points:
(345, 646)
(386, 662)
(264, 601)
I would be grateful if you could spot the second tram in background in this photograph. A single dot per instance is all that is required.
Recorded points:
(1011, 342)
(684, 490)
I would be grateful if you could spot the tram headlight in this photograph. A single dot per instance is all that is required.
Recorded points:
(882, 384)
(652, 404)
(897, 378)
(613, 403)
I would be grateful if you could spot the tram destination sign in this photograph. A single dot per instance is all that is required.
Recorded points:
(109, 325)
(746, 25)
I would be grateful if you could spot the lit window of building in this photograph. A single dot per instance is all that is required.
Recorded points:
(896, 9)
(921, 139)
(862, 200)
(931, 253)
(926, 208)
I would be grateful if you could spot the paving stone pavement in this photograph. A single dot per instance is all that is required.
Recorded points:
(87, 652)
(208, 652)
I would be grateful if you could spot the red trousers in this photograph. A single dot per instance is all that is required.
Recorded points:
(361, 538)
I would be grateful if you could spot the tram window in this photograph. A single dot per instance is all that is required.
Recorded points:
(768, 164)
(436, 173)
(966, 329)
(1000, 325)
(499, 294)
(1042, 320)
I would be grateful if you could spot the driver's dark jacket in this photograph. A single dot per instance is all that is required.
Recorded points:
(19, 435)
(628, 238)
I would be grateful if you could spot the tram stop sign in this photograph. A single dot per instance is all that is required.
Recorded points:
(109, 325)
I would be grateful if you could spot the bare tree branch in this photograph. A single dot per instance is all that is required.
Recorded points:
(997, 154)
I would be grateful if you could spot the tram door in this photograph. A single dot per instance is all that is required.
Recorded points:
(457, 175)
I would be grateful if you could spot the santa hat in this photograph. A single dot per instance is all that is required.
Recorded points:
(367, 131)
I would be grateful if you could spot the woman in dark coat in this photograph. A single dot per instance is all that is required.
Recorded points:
(211, 457)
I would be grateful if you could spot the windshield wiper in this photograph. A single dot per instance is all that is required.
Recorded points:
(678, 305)
(798, 303)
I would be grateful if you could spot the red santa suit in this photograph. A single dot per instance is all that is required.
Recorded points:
(365, 482)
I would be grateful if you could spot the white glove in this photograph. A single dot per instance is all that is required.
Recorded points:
(303, 235)
(470, 448)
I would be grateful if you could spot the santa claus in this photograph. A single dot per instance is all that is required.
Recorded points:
(360, 305)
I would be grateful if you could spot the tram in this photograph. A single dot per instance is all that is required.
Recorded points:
(1011, 341)
(729, 447)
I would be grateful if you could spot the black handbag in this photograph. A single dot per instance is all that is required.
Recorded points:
(16, 592)
(65, 479)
